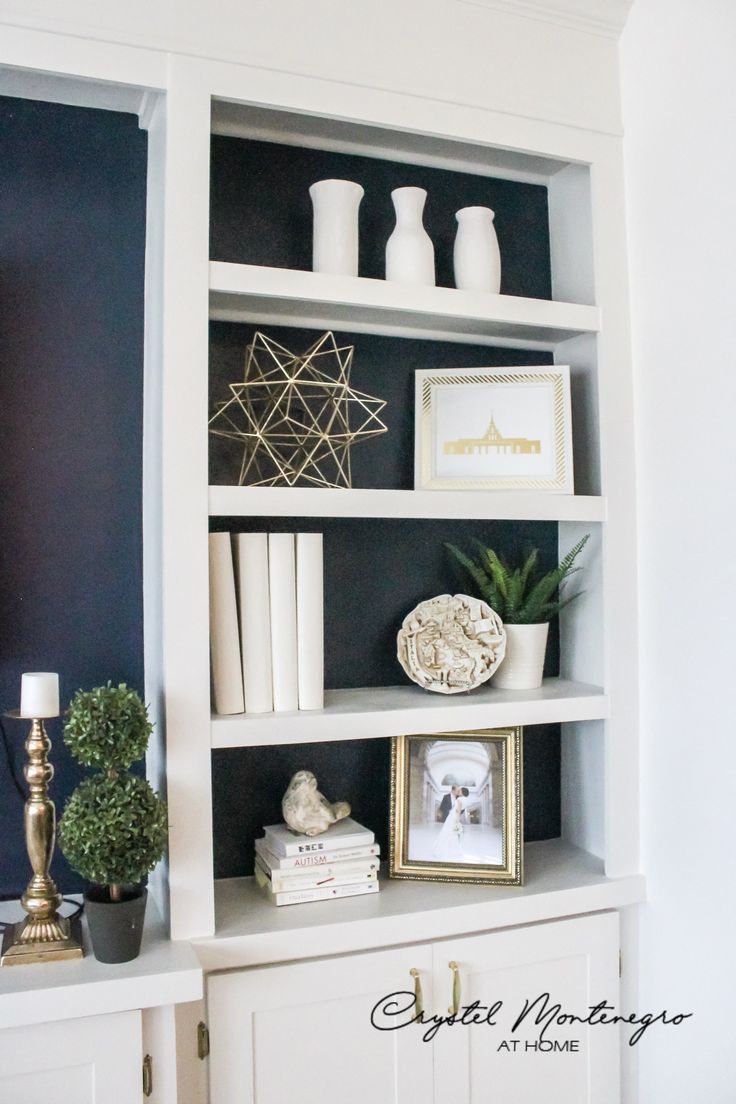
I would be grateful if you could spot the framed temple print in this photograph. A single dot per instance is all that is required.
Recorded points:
(494, 429)
(456, 807)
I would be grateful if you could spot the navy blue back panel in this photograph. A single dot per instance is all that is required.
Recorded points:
(375, 570)
(72, 245)
(262, 213)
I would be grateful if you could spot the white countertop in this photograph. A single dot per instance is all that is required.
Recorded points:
(163, 973)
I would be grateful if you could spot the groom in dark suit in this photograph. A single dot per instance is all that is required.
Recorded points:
(447, 802)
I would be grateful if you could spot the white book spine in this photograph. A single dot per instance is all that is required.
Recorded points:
(313, 861)
(255, 620)
(227, 672)
(310, 620)
(324, 883)
(304, 896)
(313, 847)
(282, 597)
(280, 884)
(336, 869)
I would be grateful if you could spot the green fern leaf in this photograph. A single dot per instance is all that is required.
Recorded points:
(483, 583)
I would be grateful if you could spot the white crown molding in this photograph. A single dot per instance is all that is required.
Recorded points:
(601, 17)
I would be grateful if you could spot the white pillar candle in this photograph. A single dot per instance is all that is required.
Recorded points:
(39, 694)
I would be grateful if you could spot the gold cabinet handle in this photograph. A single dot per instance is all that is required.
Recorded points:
(203, 1041)
(418, 999)
(147, 1075)
(455, 1006)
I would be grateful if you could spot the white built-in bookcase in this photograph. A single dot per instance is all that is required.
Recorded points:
(595, 865)
(181, 100)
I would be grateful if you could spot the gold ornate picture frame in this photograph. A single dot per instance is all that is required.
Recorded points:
(456, 812)
(494, 429)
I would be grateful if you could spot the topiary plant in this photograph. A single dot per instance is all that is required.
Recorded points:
(521, 595)
(113, 830)
(107, 727)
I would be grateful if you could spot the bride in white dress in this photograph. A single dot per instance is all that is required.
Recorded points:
(448, 845)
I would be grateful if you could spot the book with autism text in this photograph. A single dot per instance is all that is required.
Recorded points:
(313, 859)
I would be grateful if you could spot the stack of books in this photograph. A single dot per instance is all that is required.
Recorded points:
(266, 622)
(294, 870)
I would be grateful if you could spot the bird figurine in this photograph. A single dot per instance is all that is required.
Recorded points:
(306, 811)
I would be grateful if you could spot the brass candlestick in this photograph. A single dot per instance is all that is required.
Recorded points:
(43, 936)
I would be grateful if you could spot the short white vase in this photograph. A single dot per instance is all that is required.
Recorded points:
(409, 250)
(476, 257)
(335, 205)
(522, 666)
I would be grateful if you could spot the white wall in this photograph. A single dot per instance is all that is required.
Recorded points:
(679, 100)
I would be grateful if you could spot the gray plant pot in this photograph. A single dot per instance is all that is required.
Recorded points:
(115, 927)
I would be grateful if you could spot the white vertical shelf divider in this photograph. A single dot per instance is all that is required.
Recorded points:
(581, 624)
(152, 118)
(179, 137)
(600, 760)
(618, 479)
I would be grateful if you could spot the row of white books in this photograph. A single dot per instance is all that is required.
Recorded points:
(295, 870)
(266, 622)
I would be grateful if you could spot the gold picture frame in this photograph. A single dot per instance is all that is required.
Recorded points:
(478, 836)
(494, 429)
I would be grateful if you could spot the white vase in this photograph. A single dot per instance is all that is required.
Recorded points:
(476, 256)
(335, 205)
(409, 250)
(522, 666)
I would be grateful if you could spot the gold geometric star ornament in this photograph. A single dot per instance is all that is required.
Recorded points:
(296, 415)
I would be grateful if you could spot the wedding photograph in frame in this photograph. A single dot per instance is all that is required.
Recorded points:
(456, 807)
(494, 429)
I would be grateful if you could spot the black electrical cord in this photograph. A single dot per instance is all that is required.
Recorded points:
(78, 907)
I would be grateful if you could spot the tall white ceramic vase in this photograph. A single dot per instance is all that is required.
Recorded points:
(409, 250)
(335, 205)
(523, 663)
(476, 256)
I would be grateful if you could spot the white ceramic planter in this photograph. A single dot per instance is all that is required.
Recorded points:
(409, 250)
(476, 256)
(335, 227)
(522, 666)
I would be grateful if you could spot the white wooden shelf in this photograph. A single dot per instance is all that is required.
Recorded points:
(163, 973)
(561, 880)
(402, 710)
(227, 501)
(292, 128)
(289, 297)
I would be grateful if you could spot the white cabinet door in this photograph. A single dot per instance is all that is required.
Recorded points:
(303, 1032)
(576, 963)
(94, 1060)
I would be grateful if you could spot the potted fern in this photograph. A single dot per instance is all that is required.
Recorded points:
(525, 598)
(114, 827)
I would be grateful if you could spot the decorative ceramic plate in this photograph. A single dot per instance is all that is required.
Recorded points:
(451, 643)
